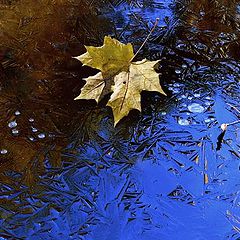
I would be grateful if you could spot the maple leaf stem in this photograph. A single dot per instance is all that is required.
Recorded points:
(148, 36)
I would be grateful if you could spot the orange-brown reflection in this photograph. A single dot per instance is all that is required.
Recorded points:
(39, 80)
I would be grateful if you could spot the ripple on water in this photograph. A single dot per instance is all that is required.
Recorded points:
(195, 108)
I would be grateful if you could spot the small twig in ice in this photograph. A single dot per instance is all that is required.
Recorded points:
(225, 125)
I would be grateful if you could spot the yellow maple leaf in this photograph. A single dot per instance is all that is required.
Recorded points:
(93, 87)
(129, 85)
(119, 75)
(110, 58)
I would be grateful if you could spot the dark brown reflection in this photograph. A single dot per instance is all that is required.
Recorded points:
(214, 23)
(213, 15)
(40, 79)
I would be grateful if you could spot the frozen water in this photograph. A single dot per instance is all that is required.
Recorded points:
(4, 151)
(183, 122)
(17, 113)
(31, 139)
(197, 95)
(176, 90)
(195, 108)
(15, 131)
(177, 85)
(34, 129)
(12, 124)
(41, 135)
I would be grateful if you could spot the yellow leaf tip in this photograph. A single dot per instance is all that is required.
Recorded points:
(164, 93)
(78, 58)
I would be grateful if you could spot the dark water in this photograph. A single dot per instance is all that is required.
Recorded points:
(67, 173)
